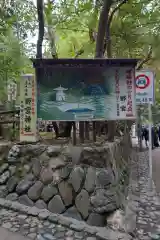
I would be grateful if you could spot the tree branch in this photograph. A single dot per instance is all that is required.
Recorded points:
(115, 10)
(146, 59)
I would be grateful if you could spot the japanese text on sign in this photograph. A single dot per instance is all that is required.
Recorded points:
(27, 109)
(117, 91)
(129, 93)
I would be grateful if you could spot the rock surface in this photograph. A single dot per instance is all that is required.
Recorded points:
(36, 168)
(56, 205)
(65, 191)
(46, 175)
(11, 184)
(90, 179)
(48, 192)
(82, 203)
(76, 178)
(24, 199)
(41, 204)
(53, 151)
(4, 177)
(72, 180)
(23, 186)
(34, 192)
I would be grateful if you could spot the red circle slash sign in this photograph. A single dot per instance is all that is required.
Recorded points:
(142, 81)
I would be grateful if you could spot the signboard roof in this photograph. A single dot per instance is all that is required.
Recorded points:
(102, 62)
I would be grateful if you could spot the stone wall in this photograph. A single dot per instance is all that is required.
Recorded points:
(86, 183)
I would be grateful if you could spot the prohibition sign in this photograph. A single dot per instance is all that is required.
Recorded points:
(142, 81)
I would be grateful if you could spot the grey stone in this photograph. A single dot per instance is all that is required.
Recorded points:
(65, 190)
(76, 152)
(12, 197)
(104, 201)
(76, 178)
(90, 181)
(26, 168)
(30, 177)
(64, 221)
(56, 205)
(91, 238)
(96, 219)
(59, 235)
(3, 191)
(77, 227)
(53, 151)
(32, 150)
(11, 184)
(4, 177)
(55, 163)
(53, 218)
(7, 225)
(48, 192)
(46, 175)
(48, 236)
(41, 204)
(23, 186)
(82, 203)
(69, 233)
(44, 159)
(65, 171)
(56, 177)
(32, 235)
(44, 214)
(24, 199)
(73, 213)
(3, 168)
(33, 211)
(36, 168)
(12, 170)
(35, 191)
(104, 177)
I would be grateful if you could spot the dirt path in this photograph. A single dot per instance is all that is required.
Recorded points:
(156, 168)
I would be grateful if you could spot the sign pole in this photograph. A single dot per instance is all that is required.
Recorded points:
(150, 140)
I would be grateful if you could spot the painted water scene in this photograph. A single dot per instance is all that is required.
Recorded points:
(75, 94)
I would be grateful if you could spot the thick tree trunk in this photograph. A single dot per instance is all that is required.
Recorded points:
(40, 28)
(103, 21)
(104, 41)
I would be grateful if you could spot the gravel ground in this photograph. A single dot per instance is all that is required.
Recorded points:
(148, 218)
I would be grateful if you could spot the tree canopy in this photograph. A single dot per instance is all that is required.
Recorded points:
(72, 30)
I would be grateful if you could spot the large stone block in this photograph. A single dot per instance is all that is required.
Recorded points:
(76, 178)
(56, 205)
(35, 191)
(82, 203)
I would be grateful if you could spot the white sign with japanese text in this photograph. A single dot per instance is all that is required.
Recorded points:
(122, 86)
(28, 108)
(144, 87)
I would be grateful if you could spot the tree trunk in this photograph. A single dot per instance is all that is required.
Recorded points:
(40, 28)
(104, 41)
(103, 22)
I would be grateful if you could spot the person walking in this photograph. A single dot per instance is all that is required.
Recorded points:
(145, 135)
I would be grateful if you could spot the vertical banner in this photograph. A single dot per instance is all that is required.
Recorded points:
(28, 108)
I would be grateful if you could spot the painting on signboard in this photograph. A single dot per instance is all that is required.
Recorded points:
(85, 93)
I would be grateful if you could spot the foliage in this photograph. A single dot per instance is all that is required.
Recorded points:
(71, 30)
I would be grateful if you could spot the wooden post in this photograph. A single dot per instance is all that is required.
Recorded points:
(87, 130)
(94, 131)
(74, 133)
(81, 132)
